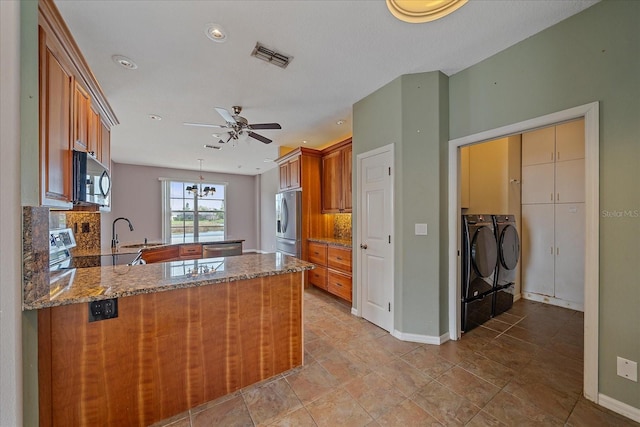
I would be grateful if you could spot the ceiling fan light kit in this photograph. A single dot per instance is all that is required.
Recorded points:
(419, 11)
(271, 56)
(237, 126)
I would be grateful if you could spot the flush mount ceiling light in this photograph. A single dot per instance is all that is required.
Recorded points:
(216, 33)
(340, 122)
(124, 62)
(418, 11)
(155, 117)
(214, 147)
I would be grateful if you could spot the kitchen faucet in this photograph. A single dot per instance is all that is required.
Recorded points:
(114, 236)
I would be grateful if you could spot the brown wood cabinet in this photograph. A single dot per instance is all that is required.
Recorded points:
(74, 113)
(308, 163)
(336, 178)
(333, 269)
(81, 107)
(161, 254)
(56, 81)
(290, 174)
(192, 251)
(105, 145)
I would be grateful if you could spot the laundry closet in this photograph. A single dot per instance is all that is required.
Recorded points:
(538, 179)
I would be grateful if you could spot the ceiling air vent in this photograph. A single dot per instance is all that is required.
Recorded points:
(271, 56)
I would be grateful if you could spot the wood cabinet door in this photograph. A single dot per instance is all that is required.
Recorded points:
(538, 249)
(339, 284)
(317, 253)
(538, 146)
(570, 141)
(347, 157)
(569, 260)
(331, 182)
(94, 134)
(161, 254)
(318, 277)
(56, 83)
(294, 173)
(570, 181)
(105, 145)
(284, 176)
(339, 259)
(81, 111)
(538, 184)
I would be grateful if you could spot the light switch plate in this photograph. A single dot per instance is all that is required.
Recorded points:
(421, 229)
(628, 369)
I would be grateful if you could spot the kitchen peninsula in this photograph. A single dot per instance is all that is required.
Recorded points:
(186, 332)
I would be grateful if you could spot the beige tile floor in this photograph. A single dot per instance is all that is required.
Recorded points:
(521, 368)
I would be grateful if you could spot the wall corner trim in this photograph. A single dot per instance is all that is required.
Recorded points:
(423, 339)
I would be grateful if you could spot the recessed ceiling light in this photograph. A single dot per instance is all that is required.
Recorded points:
(304, 142)
(413, 11)
(155, 117)
(216, 33)
(267, 160)
(340, 122)
(124, 62)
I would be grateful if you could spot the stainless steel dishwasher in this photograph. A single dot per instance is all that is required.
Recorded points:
(213, 250)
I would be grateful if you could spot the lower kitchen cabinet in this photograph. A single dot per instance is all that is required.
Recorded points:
(333, 269)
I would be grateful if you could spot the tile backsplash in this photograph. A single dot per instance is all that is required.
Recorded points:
(342, 226)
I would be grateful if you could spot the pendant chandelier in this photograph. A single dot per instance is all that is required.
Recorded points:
(200, 190)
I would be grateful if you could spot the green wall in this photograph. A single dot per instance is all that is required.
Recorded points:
(592, 56)
(412, 112)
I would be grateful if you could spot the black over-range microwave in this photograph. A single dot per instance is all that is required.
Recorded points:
(91, 181)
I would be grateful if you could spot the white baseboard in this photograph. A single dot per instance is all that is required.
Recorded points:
(423, 339)
(619, 407)
(516, 297)
(354, 311)
(553, 301)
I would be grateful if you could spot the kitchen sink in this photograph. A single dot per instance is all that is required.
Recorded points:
(141, 245)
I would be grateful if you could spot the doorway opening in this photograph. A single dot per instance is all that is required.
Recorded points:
(590, 113)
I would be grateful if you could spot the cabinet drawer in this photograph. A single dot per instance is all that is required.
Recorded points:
(339, 258)
(318, 253)
(318, 277)
(339, 284)
(190, 250)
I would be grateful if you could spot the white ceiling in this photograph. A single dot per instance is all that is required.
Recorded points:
(342, 51)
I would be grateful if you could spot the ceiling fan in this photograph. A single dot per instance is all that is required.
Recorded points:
(237, 126)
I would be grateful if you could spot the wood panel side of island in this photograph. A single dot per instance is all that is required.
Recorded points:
(167, 352)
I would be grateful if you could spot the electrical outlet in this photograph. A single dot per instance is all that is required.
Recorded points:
(103, 309)
(421, 229)
(628, 369)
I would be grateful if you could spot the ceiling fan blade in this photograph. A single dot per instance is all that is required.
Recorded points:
(225, 115)
(205, 125)
(259, 137)
(265, 126)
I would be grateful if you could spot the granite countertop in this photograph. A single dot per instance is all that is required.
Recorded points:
(79, 285)
(344, 243)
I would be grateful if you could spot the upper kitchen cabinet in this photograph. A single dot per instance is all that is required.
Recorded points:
(290, 172)
(81, 107)
(74, 113)
(56, 83)
(336, 178)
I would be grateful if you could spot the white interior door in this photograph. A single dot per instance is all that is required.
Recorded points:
(375, 221)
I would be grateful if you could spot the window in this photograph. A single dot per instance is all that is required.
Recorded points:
(190, 217)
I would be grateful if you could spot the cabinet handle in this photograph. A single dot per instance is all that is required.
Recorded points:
(551, 250)
(558, 196)
(338, 284)
(552, 197)
(557, 251)
(552, 156)
(558, 155)
(338, 258)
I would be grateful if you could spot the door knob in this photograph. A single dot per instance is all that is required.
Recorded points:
(363, 246)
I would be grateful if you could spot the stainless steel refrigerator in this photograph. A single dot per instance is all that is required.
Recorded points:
(289, 223)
